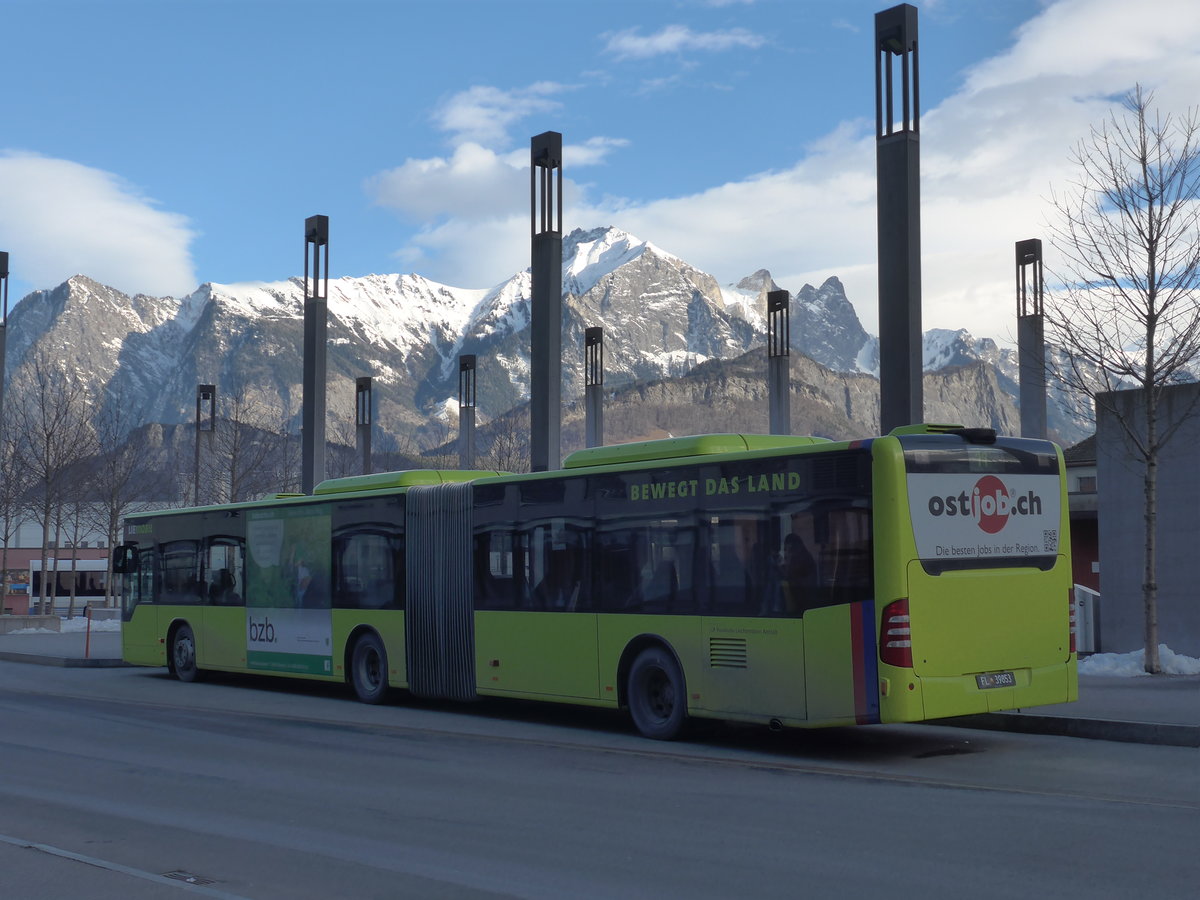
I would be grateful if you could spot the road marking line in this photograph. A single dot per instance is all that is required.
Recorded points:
(117, 867)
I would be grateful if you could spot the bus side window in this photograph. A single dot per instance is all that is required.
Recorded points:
(137, 581)
(619, 558)
(842, 549)
(181, 573)
(364, 571)
(744, 580)
(799, 574)
(225, 571)
(495, 570)
(847, 566)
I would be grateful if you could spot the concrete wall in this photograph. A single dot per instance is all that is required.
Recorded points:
(1119, 480)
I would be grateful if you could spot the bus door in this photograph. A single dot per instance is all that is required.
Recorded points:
(841, 655)
(751, 631)
(141, 642)
(224, 612)
(535, 629)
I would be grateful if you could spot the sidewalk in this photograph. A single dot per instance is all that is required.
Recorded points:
(103, 649)
(1145, 710)
(1162, 709)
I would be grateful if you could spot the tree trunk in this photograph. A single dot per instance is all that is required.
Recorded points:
(3, 576)
(74, 579)
(43, 589)
(1150, 575)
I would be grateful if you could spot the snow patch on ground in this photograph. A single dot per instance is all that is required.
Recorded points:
(77, 625)
(1133, 664)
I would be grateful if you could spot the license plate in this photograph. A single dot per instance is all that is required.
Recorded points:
(995, 680)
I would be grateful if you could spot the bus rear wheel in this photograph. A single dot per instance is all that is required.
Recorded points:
(183, 654)
(368, 669)
(656, 694)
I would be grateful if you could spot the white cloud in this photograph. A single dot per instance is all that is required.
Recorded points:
(473, 183)
(677, 39)
(59, 218)
(990, 155)
(470, 252)
(483, 114)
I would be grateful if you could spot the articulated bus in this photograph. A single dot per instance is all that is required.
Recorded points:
(789, 581)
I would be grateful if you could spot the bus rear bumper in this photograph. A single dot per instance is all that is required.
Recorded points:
(938, 697)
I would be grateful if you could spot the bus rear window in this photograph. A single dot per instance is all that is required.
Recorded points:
(929, 454)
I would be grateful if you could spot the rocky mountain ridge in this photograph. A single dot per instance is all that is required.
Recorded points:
(667, 325)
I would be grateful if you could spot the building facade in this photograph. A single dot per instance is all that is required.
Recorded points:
(1122, 527)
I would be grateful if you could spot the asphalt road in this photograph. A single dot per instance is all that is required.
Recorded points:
(121, 782)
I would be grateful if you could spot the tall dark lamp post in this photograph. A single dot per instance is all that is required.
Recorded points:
(898, 174)
(364, 415)
(779, 338)
(466, 411)
(3, 328)
(545, 351)
(206, 423)
(1031, 338)
(593, 385)
(316, 311)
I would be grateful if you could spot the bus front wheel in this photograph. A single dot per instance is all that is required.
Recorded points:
(656, 694)
(183, 654)
(368, 669)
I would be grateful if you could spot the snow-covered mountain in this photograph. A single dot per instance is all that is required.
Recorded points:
(661, 316)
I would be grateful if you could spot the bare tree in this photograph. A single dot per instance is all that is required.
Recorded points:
(244, 446)
(12, 489)
(341, 456)
(1128, 231)
(508, 450)
(73, 527)
(119, 481)
(288, 453)
(54, 433)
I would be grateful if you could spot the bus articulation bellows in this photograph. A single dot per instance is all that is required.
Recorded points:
(786, 580)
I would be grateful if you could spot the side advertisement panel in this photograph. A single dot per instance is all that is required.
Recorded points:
(288, 619)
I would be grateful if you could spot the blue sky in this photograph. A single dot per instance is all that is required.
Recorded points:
(158, 145)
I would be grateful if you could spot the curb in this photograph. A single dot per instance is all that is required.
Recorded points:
(63, 662)
(1091, 729)
(1018, 723)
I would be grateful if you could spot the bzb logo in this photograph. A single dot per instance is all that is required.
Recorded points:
(262, 632)
(989, 504)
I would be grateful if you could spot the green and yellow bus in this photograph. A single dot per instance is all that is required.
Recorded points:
(791, 581)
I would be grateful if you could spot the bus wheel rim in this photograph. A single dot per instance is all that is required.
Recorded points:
(660, 694)
(184, 653)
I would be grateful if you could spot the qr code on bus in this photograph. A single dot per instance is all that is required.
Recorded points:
(1050, 540)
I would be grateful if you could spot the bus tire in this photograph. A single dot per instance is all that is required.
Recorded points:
(657, 695)
(368, 669)
(183, 654)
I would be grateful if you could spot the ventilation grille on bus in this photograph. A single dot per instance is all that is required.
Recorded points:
(727, 653)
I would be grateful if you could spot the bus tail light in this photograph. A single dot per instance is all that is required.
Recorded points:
(1071, 601)
(895, 645)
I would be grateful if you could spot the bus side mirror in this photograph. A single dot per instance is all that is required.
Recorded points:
(125, 559)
